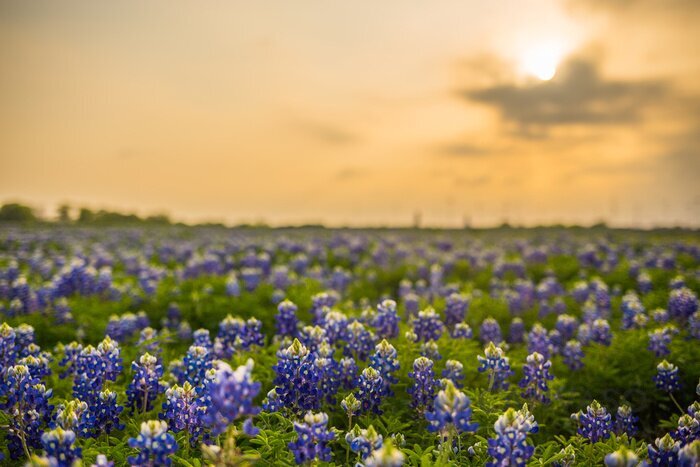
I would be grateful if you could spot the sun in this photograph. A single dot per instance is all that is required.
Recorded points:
(541, 61)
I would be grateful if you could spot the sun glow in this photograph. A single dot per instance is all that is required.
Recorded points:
(541, 62)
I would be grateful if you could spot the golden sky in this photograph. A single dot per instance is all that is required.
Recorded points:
(355, 113)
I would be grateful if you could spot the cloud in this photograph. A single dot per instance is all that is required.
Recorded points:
(577, 95)
(463, 150)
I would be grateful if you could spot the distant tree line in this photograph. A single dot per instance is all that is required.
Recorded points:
(19, 213)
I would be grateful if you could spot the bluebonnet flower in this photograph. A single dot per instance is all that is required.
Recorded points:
(334, 324)
(644, 282)
(58, 444)
(71, 354)
(430, 350)
(71, 415)
(631, 308)
(363, 442)
(456, 306)
(427, 325)
(348, 372)
(104, 413)
(516, 332)
(89, 374)
(659, 339)
(297, 378)
(111, 358)
(664, 451)
(411, 303)
(497, 365)
(173, 316)
(360, 341)
(535, 376)
(450, 411)
(538, 341)
(424, 385)
(688, 429)
(625, 421)
(329, 372)
(184, 409)
(583, 334)
(201, 338)
(233, 287)
(351, 405)
(682, 303)
(666, 377)
(660, 315)
(566, 325)
(623, 457)
(26, 406)
(231, 398)
(370, 390)
(313, 336)
(385, 362)
(286, 321)
(145, 384)
(386, 456)
(595, 423)
(235, 334)
(272, 402)
(462, 331)
(24, 336)
(600, 332)
(38, 365)
(454, 371)
(490, 331)
(320, 301)
(510, 447)
(154, 443)
(689, 455)
(312, 439)
(8, 352)
(148, 340)
(195, 365)
(573, 354)
(694, 325)
(386, 321)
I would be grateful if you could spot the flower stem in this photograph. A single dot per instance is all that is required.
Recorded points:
(677, 404)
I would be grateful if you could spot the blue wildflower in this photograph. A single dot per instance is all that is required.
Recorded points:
(573, 354)
(184, 410)
(312, 439)
(154, 443)
(510, 447)
(666, 377)
(231, 398)
(297, 378)
(490, 331)
(386, 321)
(58, 444)
(145, 385)
(535, 376)
(625, 421)
(456, 306)
(664, 451)
(424, 385)
(385, 362)
(451, 411)
(364, 442)
(682, 303)
(454, 371)
(370, 390)
(595, 423)
(497, 365)
(286, 321)
(427, 325)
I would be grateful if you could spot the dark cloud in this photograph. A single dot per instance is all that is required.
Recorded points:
(463, 150)
(577, 95)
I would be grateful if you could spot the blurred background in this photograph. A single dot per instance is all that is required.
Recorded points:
(358, 113)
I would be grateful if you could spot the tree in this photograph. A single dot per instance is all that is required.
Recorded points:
(64, 213)
(15, 212)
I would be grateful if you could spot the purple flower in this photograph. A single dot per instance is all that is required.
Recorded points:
(451, 410)
(286, 321)
(427, 325)
(297, 378)
(497, 365)
(363, 441)
(595, 423)
(424, 384)
(664, 451)
(535, 376)
(490, 331)
(456, 306)
(510, 447)
(573, 354)
(184, 409)
(626, 421)
(58, 444)
(312, 439)
(516, 331)
(370, 390)
(154, 443)
(360, 341)
(145, 384)
(385, 362)
(231, 398)
(682, 303)
(386, 321)
(659, 339)
(454, 371)
(666, 377)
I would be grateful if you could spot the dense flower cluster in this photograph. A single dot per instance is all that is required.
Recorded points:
(231, 395)
(595, 423)
(424, 384)
(313, 437)
(510, 446)
(451, 410)
(297, 378)
(154, 444)
(666, 377)
(145, 385)
(535, 376)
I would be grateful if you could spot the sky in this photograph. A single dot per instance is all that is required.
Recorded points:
(355, 113)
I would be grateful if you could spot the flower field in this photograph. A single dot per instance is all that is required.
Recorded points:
(186, 346)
